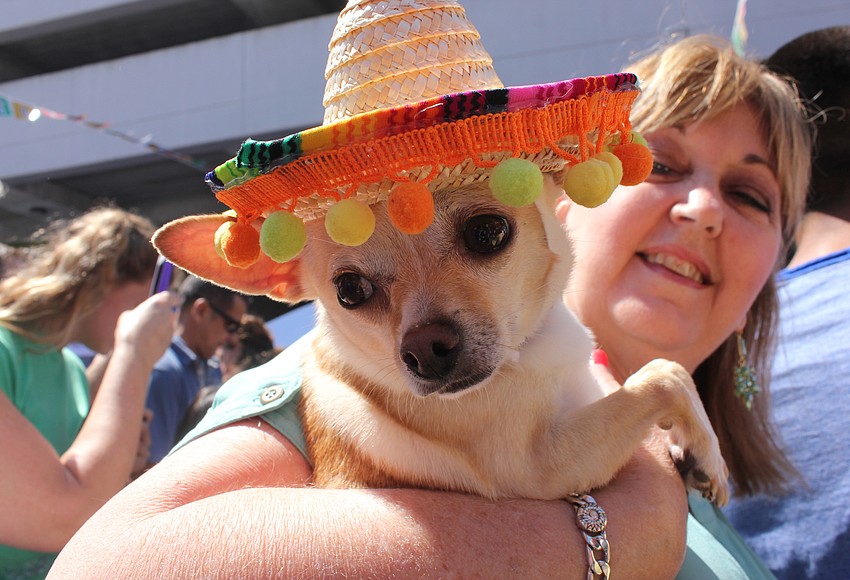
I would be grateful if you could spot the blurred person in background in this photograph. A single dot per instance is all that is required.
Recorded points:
(209, 316)
(68, 446)
(250, 348)
(806, 534)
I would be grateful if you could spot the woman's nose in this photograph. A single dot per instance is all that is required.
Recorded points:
(702, 208)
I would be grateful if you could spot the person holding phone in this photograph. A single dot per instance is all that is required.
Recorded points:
(209, 316)
(67, 448)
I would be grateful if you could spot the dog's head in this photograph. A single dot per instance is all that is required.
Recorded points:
(443, 310)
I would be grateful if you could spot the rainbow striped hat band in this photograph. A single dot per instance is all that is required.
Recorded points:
(412, 106)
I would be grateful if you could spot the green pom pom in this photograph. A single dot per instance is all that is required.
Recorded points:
(516, 182)
(350, 222)
(634, 137)
(282, 236)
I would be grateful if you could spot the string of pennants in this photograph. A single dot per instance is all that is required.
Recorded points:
(10, 107)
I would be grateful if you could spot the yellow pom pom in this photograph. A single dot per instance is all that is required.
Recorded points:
(589, 183)
(282, 236)
(350, 222)
(615, 164)
(516, 182)
(636, 160)
(238, 244)
(411, 207)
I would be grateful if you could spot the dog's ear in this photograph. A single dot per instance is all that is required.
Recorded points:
(189, 244)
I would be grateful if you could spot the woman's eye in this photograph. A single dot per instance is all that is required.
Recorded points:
(752, 200)
(660, 170)
(353, 290)
(485, 234)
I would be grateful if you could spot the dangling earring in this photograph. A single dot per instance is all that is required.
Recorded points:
(745, 378)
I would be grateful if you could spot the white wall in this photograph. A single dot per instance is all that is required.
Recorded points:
(272, 79)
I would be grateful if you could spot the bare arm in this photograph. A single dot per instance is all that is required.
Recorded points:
(45, 498)
(215, 507)
(95, 371)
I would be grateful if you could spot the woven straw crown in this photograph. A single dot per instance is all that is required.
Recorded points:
(385, 54)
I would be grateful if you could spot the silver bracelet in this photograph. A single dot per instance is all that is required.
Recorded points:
(591, 520)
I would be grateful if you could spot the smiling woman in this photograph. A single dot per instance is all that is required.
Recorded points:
(681, 266)
(675, 283)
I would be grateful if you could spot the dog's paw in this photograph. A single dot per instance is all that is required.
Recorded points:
(710, 478)
(694, 445)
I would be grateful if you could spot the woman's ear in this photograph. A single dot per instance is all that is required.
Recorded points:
(562, 207)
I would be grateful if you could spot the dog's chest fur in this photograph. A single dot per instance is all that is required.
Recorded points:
(492, 441)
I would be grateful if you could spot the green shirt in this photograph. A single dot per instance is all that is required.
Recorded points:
(49, 388)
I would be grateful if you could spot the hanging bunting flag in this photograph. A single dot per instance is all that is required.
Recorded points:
(739, 29)
(24, 111)
(21, 110)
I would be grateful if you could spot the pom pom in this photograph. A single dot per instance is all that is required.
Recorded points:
(411, 207)
(282, 236)
(516, 182)
(633, 137)
(350, 222)
(238, 244)
(636, 160)
(616, 167)
(589, 183)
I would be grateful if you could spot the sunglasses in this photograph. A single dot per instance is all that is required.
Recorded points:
(230, 324)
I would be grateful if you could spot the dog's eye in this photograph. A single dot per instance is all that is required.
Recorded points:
(352, 290)
(485, 234)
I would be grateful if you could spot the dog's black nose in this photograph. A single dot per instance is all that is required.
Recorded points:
(431, 350)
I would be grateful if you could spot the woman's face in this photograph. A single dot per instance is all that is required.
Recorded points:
(97, 331)
(670, 267)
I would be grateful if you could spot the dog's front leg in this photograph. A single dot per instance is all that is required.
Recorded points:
(590, 445)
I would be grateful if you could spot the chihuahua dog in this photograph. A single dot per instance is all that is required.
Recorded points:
(447, 360)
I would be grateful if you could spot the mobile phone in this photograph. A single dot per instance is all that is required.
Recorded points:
(162, 276)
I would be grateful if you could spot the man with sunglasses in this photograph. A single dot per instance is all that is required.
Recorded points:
(209, 316)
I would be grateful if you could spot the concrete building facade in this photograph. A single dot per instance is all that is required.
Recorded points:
(196, 77)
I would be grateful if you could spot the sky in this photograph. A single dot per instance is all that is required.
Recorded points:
(289, 327)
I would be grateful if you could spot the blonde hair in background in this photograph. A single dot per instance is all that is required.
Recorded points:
(80, 261)
(697, 79)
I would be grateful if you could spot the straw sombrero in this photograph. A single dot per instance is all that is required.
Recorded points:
(412, 105)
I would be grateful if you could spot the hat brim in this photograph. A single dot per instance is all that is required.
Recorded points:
(566, 121)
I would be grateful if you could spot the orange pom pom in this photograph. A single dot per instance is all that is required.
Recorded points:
(411, 207)
(636, 160)
(239, 243)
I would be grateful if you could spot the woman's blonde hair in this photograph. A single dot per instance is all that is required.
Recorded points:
(80, 261)
(697, 79)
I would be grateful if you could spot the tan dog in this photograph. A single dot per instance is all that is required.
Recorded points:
(447, 360)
